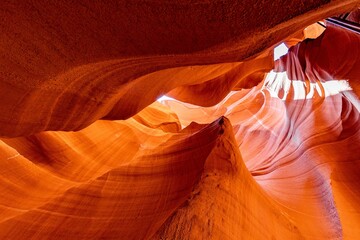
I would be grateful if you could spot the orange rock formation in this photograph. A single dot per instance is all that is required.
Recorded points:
(248, 148)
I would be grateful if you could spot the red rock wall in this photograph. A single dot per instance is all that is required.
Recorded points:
(247, 153)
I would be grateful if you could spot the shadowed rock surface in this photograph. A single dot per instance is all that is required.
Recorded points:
(248, 148)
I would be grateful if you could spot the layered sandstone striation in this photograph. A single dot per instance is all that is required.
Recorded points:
(71, 63)
(248, 148)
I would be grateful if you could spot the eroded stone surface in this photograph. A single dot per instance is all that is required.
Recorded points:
(247, 153)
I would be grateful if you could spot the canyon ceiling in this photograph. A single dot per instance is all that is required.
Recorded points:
(243, 147)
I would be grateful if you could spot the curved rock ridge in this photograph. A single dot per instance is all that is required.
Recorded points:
(241, 153)
(129, 183)
(228, 203)
(298, 133)
(124, 183)
(65, 65)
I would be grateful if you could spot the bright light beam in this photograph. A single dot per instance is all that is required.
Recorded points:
(280, 50)
(163, 98)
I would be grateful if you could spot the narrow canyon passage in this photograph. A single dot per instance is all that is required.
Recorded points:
(238, 145)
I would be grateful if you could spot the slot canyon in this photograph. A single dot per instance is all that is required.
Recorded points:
(161, 119)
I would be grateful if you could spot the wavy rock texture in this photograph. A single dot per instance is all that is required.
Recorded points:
(299, 135)
(242, 153)
(71, 63)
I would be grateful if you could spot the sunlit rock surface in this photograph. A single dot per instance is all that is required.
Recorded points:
(245, 148)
